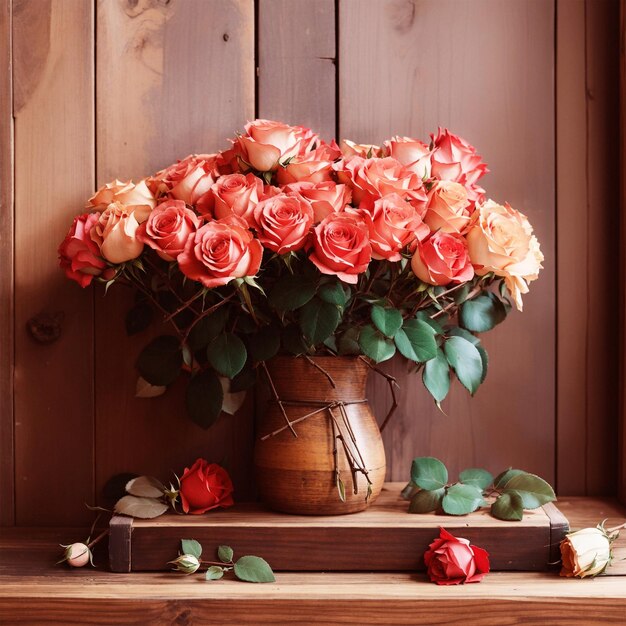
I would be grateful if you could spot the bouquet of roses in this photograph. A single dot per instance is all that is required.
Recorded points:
(284, 243)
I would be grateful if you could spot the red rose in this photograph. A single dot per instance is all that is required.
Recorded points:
(452, 561)
(205, 486)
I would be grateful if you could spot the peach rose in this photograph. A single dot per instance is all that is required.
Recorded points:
(313, 167)
(412, 153)
(115, 233)
(449, 208)
(365, 150)
(340, 246)
(325, 198)
(237, 194)
(168, 228)
(455, 159)
(266, 144)
(79, 255)
(135, 197)
(283, 222)
(219, 252)
(501, 241)
(393, 224)
(441, 259)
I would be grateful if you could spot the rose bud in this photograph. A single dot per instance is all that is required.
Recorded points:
(205, 486)
(453, 561)
(586, 553)
(186, 563)
(76, 555)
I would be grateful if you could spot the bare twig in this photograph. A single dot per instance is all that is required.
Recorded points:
(321, 369)
(393, 384)
(277, 398)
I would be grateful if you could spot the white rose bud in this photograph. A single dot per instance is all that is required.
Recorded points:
(186, 563)
(76, 555)
(586, 552)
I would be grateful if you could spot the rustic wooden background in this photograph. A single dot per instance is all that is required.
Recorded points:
(92, 90)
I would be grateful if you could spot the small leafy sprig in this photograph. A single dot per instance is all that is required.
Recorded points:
(514, 490)
(147, 498)
(251, 569)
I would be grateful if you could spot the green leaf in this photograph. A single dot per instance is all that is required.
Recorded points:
(533, 491)
(292, 341)
(436, 376)
(161, 360)
(318, 320)
(204, 398)
(191, 546)
(215, 572)
(408, 491)
(456, 331)
(465, 359)
(254, 569)
(482, 313)
(227, 354)
(388, 321)
(291, 292)
(484, 357)
(225, 554)
(508, 507)
(374, 345)
(333, 293)
(503, 478)
(144, 508)
(139, 317)
(264, 344)
(429, 473)
(416, 341)
(475, 476)
(434, 324)
(425, 501)
(348, 342)
(341, 488)
(208, 328)
(145, 487)
(462, 499)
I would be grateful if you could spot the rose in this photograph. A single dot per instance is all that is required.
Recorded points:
(448, 207)
(186, 563)
(501, 241)
(412, 153)
(365, 150)
(455, 159)
(266, 143)
(452, 561)
(219, 252)
(327, 197)
(237, 194)
(115, 233)
(441, 259)
(136, 198)
(167, 229)
(283, 222)
(393, 223)
(79, 255)
(205, 486)
(340, 246)
(586, 552)
(313, 167)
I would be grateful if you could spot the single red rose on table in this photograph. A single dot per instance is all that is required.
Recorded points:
(453, 560)
(205, 486)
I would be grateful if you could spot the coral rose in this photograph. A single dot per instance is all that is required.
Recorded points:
(449, 208)
(365, 150)
(442, 258)
(283, 222)
(340, 246)
(115, 233)
(237, 194)
(219, 252)
(167, 229)
(325, 198)
(501, 241)
(451, 561)
(412, 153)
(393, 224)
(313, 167)
(136, 198)
(79, 255)
(205, 486)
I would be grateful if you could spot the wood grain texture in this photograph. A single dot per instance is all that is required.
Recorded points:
(158, 67)
(7, 472)
(297, 63)
(54, 173)
(622, 387)
(489, 79)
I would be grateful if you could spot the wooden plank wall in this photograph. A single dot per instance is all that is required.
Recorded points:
(105, 89)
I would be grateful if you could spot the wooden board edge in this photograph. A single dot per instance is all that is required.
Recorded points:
(120, 531)
(559, 527)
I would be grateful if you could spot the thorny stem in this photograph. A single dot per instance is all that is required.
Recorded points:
(185, 305)
(453, 304)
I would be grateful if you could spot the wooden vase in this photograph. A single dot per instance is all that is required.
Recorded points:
(338, 448)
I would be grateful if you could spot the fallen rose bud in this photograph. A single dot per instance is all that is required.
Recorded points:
(587, 552)
(76, 555)
(186, 563)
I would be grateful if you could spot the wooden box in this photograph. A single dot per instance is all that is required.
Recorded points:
(383, 538)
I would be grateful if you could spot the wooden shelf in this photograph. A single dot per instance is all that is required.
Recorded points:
(32, 591)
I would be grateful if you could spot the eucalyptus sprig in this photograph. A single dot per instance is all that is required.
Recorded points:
(514, 490)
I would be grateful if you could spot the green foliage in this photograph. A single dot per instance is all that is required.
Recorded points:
(429, 473)
(387, 321)
(348, 342)
(436, 376)
(425, 501)
(264, 344)
(482, 313)
(334, 293)
(465, 359)
(227, 354)
(318, 320)
(215, 572)
(508, 507)
(204, 398)
(225, 554)
(254, 569)
(477, 477)
(461, 499)
(161, 360)
(416, 341)
(291, 292)
(207, 329)
(139, 317)
(292, 341)
(191, 546)
(374, 345)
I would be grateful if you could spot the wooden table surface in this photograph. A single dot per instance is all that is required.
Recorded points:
(33, 591)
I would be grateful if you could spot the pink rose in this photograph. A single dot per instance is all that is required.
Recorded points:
(219, 252)
(441, 259)
(451, 561)
(79, 255)
(365, 150)
(340, 246)
(168, 228)
(283, 222)
(449, 208)
(136, 198)
(313, 167)
(393, 224)
(412, 153)
(266, 144)
(237, 194)
(115, 233)
(455, 159)
(325, 198)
